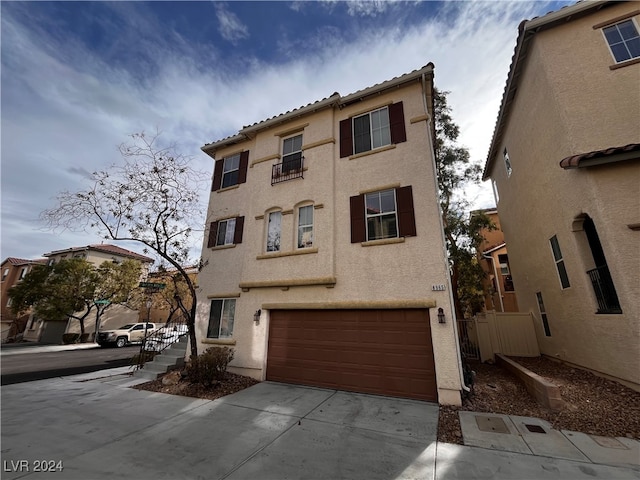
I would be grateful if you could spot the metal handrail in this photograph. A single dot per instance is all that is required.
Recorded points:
(157, 341)
(281, 172)
(604, 290)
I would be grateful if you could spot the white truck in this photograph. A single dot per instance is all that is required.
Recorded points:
(125, 335)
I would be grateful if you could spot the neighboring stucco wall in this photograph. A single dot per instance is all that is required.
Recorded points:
(569, 102)
(346, 272)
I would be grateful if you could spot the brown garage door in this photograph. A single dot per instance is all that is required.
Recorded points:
(386, 352)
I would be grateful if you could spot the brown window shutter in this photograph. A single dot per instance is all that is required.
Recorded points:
(217, 175)
(237, 235)
(406, 215)
(346, 138)
(396, 123)
(244, 163)
(213, 232)
(358, 226)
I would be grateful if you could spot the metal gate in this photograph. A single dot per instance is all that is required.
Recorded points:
(468, 339)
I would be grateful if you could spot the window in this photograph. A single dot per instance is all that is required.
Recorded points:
(305, 226)
(221, 318)
(274, 231)
(496, 194)
(557, 257)
(623, 40)
(5, 273)
(380, 127)
(504, 264)
(383, 214)
(226, 232)
(543, 315)
(292, 153)
(23, 273)
(230, 171)
(371, 130)
(507, 163)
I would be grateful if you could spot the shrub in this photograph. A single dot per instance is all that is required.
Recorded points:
(68, 338)
(210, 366)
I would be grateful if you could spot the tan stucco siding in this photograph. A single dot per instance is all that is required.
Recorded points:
(569, 102)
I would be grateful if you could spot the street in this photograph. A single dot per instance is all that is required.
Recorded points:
(25, 367)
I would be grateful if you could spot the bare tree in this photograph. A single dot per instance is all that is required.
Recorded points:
(151, 198)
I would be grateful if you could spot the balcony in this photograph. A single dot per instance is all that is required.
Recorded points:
(605, 290)
(292, 167)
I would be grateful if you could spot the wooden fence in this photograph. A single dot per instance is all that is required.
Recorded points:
(506, 333)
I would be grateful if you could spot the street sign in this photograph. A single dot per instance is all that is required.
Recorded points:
(152, 285)
(102, 302)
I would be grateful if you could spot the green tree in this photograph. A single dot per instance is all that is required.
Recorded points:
(153, 198)
(70, 288)
(455, 171)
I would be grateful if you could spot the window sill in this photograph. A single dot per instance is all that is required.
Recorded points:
(219, 341)
(224, 247)
(384, 241)
(371, 152)
(626, 63)
(301, 251)
(226, 189)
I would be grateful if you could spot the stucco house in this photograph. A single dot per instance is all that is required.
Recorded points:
(565, 166)
(45, 330)
(324, 260)
(492, 255)
(13, 270)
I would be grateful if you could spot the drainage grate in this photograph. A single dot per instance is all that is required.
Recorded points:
(535, 428)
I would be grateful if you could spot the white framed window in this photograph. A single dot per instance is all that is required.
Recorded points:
(5, 273)
(503, 260)
(543, 315)
(507, 162)
(559, 260)
(231, 170)
(221, 318)
(623, 40)
(226, 232)
(292, 153)
(305, 226)
(274, 231)
(371, 130)
(23, 273)
(381, 215)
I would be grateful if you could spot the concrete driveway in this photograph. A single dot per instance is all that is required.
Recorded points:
(98, 429)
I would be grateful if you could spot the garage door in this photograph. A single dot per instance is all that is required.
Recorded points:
(385, 352)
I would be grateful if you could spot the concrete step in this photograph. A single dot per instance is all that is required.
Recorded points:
(144, 373)
(169, 360)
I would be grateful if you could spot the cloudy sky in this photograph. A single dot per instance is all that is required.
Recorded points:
(78, 77)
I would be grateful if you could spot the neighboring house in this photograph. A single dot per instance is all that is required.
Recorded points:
(498, 286)
(565, 166)
(324, 258)
(159, 304)
(48, 331)
(13, 271)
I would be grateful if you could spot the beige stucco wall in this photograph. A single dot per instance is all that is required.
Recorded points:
(380, 275)
(569, 102)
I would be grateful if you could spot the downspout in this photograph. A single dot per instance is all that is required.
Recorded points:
(495, 275)
(444, 242)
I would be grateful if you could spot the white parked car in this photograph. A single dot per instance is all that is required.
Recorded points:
(130, 333)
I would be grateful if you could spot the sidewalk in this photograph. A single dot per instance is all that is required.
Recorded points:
(28, 347)
(278, 431)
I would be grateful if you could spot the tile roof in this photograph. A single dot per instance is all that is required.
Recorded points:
(24, 261)
(575, 161)
(333, 100)
(106, 248)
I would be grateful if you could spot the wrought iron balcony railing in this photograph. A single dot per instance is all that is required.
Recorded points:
(605, 290)
(292, 167)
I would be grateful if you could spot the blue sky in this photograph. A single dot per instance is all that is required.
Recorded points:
(78, 77)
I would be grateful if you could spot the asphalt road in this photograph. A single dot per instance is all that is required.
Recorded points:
(27, 367)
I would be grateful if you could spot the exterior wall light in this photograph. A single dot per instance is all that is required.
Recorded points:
(256, 316)
(441, 318)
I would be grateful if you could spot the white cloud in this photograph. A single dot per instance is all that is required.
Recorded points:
(231, 28)
(61, 118)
